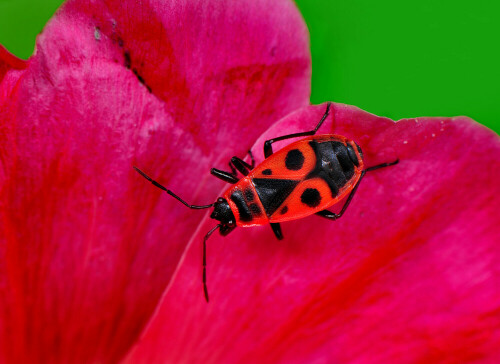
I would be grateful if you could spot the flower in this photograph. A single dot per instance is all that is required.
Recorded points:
(99, 266)
(408, 274)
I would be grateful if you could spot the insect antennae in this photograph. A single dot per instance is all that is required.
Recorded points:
(204, 278)
(170, 192)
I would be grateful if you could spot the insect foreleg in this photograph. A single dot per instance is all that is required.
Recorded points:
(225, 176)
(235, 164)
(243, 167)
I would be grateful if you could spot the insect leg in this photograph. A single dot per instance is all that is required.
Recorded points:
(277, 230)
(252, 166)
(225, 176)
(243, 167)
(233, 170)
(383, 165)
(204, 277)
(235, 164)
(170, 192)
(268, 148)
(333, 216)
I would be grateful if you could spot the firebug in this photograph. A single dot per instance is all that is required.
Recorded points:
(306, 177)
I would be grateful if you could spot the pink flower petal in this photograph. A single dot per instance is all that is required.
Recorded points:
(409, 274)
(11, 69)
(88, 246)
(9, 62)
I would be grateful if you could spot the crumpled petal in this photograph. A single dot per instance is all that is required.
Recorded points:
(9, 62)
(409, 274)
(173, 87)
(11, 69)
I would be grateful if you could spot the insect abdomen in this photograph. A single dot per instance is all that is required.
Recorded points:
(336, 164)
(336, 169)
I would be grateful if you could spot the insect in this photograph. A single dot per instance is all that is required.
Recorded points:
(304, 178)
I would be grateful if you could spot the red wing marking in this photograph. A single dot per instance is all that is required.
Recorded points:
(293, 162)
(309, 197)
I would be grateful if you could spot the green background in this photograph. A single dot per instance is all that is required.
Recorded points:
(392, 58)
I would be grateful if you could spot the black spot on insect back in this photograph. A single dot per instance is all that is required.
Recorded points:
(294, 160)
(255, 209)
(249, 194)
(267, 172)
(284, 210)
(311, 197)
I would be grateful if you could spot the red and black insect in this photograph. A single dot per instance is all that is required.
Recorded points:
(304, 178)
